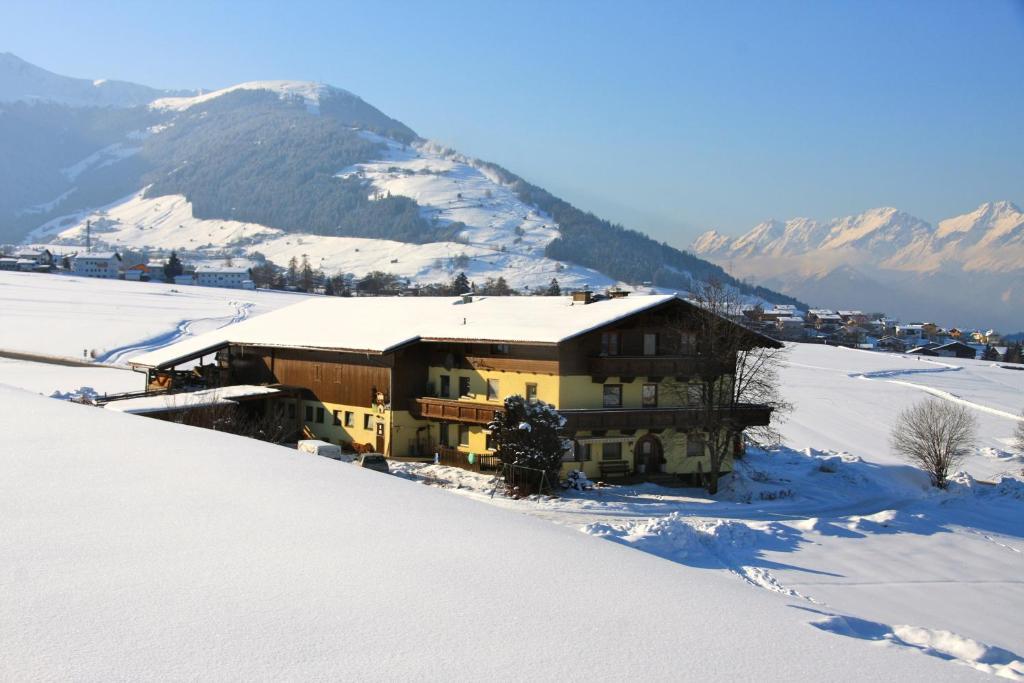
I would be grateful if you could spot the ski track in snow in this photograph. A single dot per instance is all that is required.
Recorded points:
(182, 329)
(887, 375)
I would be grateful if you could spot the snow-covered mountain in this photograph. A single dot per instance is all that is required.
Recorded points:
(21, 81)
(276, 169)
(967, 270)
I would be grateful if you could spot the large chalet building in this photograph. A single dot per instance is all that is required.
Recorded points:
(410, 376)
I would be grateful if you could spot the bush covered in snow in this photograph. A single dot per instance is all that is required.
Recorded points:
(527, 440)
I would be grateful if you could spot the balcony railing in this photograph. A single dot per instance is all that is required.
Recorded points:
(602, 367)
(744, 415)
(576, 419)
(450, 410)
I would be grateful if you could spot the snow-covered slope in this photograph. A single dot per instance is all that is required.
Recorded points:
(21, 81)
(111, 319)
(967, 270)
(178, 553)
(503, 237)
(305, 91)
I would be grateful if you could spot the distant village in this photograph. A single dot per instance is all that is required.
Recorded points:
(851, 328)
(877, 332)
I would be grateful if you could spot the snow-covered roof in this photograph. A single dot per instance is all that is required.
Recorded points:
(187, 401)
(790, 319)
(379, 324)
(227, 270)
(98, 256)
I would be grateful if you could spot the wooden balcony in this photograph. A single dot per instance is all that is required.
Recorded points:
(450, 410)
(628, 367)
(590, 419)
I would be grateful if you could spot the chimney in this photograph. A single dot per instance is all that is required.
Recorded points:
(582, 296)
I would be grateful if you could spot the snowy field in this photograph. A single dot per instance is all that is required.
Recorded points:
(113, 320)
(208, 556)
(847, 400)
(828, 557)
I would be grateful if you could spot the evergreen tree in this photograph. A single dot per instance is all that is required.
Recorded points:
(306, 275)
(553, 288)
(1014, 353)
(460, 285)
(292, 275)
(527, 435)
(173, 268)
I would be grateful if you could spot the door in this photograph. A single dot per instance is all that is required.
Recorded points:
(380, 437)
(648, 451)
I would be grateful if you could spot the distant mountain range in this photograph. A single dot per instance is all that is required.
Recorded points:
(278, 169)
(966, 270)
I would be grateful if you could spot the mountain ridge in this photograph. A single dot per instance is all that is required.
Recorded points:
(314, 161)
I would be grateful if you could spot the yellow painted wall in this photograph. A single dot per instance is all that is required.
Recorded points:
(579, 391)
(328, 431)
(673, 442)
(510, 384)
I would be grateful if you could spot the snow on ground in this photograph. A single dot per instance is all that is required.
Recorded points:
(450, 187)
(177, 553)
(167, 223)
(73, 317)
(306, 91)
(48, 379)
(863, 550)
(847, 400)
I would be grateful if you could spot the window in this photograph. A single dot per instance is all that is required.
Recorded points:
(694, 446)
(368, 421)
(650, 395)
(446, 386)
(687, 343)
(309, 413)
(444, 437)
(463, 386)
(493, 389)
(612, 396)
(337, 420)
(580, 452)
(693, 394)
(531, 392)
(499, 349)
(350, 418)
(320, 414)
(463, 435)
(611, 450)
(489, 441)
(650, 344)
(609, 343)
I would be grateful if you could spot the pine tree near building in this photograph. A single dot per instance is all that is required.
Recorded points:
(553, 288)
(173, 268)
(527, 439)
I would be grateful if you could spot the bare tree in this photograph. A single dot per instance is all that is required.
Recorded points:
(935, 435)
(740, 371)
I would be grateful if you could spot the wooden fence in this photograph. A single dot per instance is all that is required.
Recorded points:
(474, 462)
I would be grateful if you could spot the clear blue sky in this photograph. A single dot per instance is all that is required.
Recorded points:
(669, 117)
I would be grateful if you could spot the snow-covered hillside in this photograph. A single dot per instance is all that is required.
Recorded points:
(21, 81)
(204, 555)
(503, 237)
(967, 270)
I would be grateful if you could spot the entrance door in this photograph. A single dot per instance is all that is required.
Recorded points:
(648, 451)
(380, 437)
